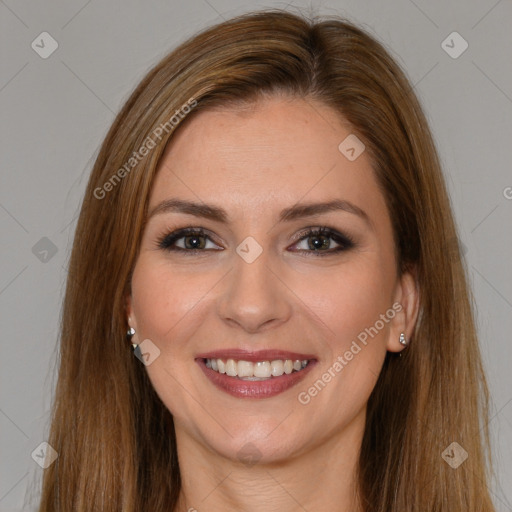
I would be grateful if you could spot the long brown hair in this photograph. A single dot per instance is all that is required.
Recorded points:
(114, 436)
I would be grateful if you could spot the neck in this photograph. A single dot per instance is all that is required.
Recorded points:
(323, 477)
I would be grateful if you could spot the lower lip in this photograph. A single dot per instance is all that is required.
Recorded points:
(254, 389)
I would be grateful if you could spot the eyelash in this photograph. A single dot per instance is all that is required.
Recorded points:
(346, 242)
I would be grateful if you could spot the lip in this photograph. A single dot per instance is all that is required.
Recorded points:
(239, 388)
(255, 356)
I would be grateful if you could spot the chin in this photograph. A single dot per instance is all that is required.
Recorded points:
(261, 443)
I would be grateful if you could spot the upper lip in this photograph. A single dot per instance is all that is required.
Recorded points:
(254, 356)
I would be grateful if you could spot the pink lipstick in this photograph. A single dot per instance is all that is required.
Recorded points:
(255, 374)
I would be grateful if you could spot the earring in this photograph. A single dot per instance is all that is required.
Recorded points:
(402, 339)
(129, 334)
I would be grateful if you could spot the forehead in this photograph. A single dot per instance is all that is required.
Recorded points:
(264, 157)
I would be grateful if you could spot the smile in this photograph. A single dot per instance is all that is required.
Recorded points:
(261, 374)
(259, 370)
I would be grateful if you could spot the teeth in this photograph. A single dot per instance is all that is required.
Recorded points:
(244, 369)
(261, 370)
(231, 368)
(277, 368)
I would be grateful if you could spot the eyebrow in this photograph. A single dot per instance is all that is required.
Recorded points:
(218, 214)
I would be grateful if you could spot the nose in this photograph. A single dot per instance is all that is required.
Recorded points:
(254, 297)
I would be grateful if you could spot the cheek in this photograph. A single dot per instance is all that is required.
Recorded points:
(163, 302)
(161, 298)
(351, 304)
(349, 298)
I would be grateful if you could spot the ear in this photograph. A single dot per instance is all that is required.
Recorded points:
(130, 317)
(406, 305)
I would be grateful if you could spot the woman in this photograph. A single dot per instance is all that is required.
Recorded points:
(268, 226)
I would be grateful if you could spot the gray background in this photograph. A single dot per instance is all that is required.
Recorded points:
(56, 111)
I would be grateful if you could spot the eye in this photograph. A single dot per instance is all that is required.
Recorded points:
(194, 240)
(317, 243)
(316, 240)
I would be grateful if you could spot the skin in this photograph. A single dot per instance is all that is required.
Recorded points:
(253, 162)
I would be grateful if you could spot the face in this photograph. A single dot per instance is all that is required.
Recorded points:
(254, 280)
